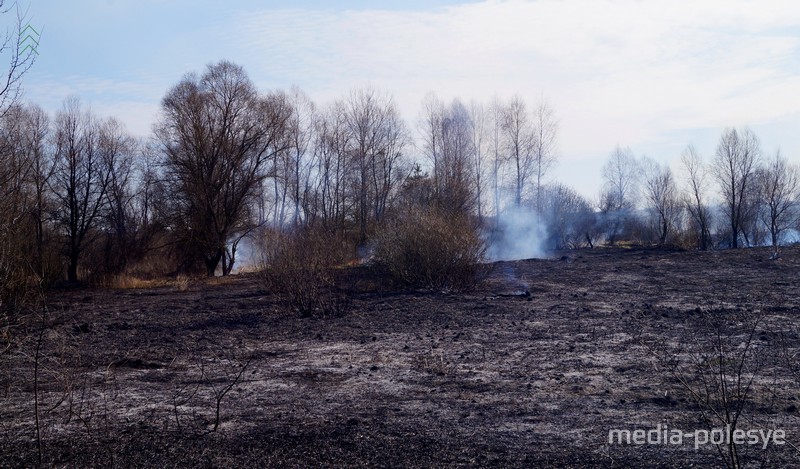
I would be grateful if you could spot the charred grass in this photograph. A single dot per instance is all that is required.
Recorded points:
(532, 368)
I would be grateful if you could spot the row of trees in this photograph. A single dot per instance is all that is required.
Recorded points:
(67, 184)
(225, 160)
(84, 197)
(235, 161)
(481, 153)
(756, 198)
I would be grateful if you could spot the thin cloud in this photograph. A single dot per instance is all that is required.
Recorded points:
(698, 64)
(638, 73)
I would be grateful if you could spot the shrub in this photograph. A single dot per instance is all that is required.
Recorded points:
(427, 247)
(301, 268)
(13, 284)
(21, 292)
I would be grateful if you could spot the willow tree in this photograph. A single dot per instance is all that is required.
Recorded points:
(218, 135)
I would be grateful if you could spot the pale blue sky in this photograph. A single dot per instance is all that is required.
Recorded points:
(651, 75)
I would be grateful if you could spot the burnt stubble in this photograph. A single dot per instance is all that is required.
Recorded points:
(530, 369)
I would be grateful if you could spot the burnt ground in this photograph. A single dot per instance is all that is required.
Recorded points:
(532, 369)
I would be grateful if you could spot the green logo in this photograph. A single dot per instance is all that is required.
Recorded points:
(30, 40)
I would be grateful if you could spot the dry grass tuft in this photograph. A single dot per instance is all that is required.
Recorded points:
(126, 281)
(181, 283)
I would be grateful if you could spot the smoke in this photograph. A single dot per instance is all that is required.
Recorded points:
(519, 233)
(248, 257)
(790, 236)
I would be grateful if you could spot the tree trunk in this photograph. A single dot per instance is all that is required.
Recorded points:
(212, 263)
(228, 259)
(518, 194)
(72, 268)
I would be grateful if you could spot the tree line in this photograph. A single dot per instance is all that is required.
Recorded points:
(85, 197)
(81, 198)
(741, 197)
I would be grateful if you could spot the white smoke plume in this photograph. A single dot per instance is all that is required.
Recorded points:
(248, 257)
(519, 233)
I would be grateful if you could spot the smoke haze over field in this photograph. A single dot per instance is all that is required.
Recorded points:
(248, 257)
(519, 234)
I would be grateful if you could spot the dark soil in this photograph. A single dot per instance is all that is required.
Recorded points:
(532, 369)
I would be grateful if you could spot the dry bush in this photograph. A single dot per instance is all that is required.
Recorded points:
(15, 295)
(430, 248)
(21, 286)
(723, 365)
(301, 267)
(16, 284)
(156, 268)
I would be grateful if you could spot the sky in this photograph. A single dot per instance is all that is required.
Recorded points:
(654, 76)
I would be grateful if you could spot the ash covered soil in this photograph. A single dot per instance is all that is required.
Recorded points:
(531, 369)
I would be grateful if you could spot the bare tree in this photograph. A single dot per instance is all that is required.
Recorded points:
(694, 199)
(298, 163)
(377, 139)
(293, 167)
(14, 164)
(281, 172)
(778, 186)
(21, 142)
(218, 134)
(568, 216)
(661, 194)
(620, 191)
(80, 180)
(429, 126)
(449, 143)
(479, 124)
(146, 209)
(333, 167)
(496, 112)
(20, 58)
(14, 204)
(520, 142)
(544, 145)
(456, 189)
(388, 166)
(734, 167)
(621, 179)
(117, 150)
(37, 129)
(25, 166)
